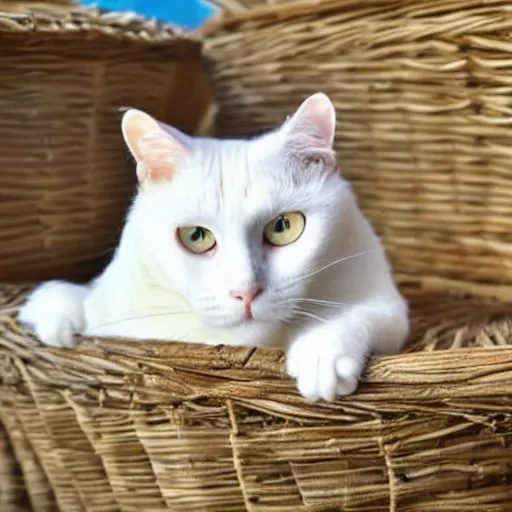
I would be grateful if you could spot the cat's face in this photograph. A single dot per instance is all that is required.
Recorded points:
(239, 227)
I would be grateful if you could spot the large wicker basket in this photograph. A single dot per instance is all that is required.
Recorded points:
(65, 175)
(126, 426)
(424, 100)
(120, 426)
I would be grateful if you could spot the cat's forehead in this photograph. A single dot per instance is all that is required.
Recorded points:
(231, 176)
(240, 181)
(240, 165)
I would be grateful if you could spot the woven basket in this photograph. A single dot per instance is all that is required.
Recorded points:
(423, 93)
(24, 6)
(65, 175)
(127, 426)
(236, 6)
(115, 426)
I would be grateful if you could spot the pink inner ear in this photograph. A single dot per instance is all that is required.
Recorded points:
(161, 154)
(323, 116)
(315, 118)
(309, 134)
(158, 153)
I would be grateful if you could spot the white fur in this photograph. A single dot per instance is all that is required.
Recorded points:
(55, 310)
(336, 273)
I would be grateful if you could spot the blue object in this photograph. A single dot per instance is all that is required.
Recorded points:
(189, 14)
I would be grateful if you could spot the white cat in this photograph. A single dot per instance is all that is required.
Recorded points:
(256, 242)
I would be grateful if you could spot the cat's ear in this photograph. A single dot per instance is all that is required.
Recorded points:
(158, 151)
(310, 131)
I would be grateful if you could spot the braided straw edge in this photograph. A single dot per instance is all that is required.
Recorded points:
(92, 21)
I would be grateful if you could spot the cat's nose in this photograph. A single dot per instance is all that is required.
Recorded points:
(247, 297)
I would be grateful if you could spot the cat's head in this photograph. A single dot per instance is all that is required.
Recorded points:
(238, 228)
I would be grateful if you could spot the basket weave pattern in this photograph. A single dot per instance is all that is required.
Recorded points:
(65, 175)
(145, 426)
(423, 94)
(237, 6)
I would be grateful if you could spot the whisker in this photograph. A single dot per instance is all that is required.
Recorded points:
(335, 262)
(287, 318)
(183, 337)
(319, 302)
(307, 314)
(136, 317)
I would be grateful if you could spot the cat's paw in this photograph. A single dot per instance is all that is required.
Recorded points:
(54, 311)
(322, 365)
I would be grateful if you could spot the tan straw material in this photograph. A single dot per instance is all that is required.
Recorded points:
(423, 93)
(422, 90)
(65, 175)
(22, 6)
(133, 426)
(237, 6)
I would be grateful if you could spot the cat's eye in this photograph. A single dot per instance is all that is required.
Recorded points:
(196, 239)
(285, 229)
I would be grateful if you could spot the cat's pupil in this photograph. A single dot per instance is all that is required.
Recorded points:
(282, 224)
(197, 234)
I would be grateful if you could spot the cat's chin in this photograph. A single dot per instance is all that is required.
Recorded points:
(230, 320)
(231, 324)
(241, 326)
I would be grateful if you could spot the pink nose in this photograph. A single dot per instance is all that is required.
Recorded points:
(247, 297)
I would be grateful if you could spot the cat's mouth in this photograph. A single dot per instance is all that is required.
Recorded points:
(248, 316)
(230, 320)
(235, 315)
(246, 319)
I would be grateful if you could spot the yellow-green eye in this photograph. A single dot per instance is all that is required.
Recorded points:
(285, 229)
(196, 239)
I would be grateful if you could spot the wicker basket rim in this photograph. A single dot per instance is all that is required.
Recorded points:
(271, 12)
(464, 364)
(260, 373)
(112, 25)
(231, 20)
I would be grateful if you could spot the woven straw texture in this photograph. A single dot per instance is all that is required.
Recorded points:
(126, 426)
(423, 93)
(65, 175)
(421, 90)
(237, 6)
(23, 6)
